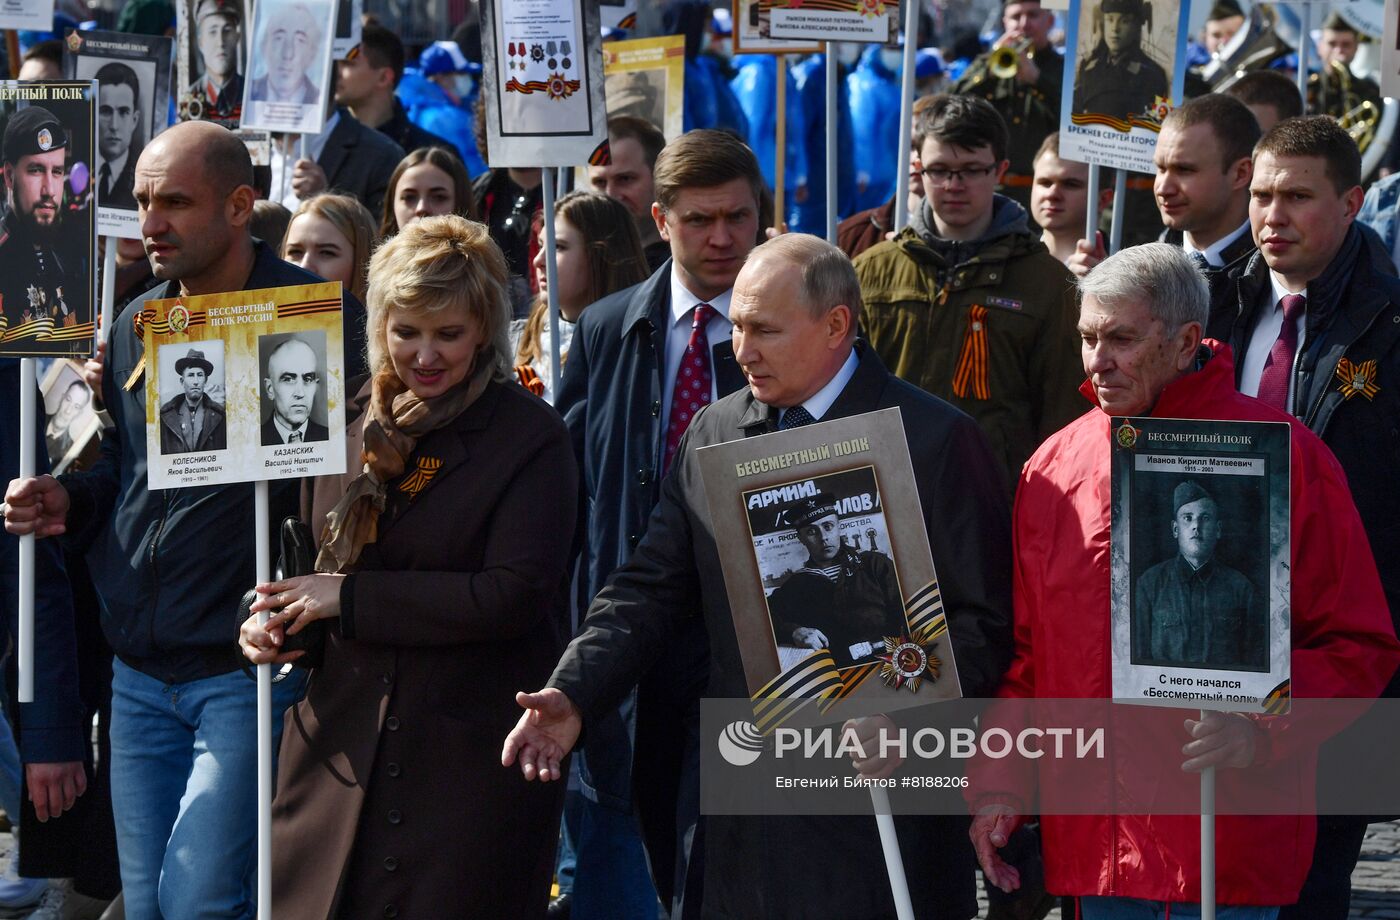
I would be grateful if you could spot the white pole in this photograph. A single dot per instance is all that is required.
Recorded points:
(906, 115)
(832, 64)
(1091, 221)
(1207, 841)
(1120, 195)
(109, 293)
(27, 423)
(1304, 38)
(551, 270)
(264, 573)
(889, 842)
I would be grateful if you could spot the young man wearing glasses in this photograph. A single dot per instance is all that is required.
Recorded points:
(966, 302)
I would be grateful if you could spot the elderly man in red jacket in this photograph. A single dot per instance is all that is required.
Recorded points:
(1140, 321)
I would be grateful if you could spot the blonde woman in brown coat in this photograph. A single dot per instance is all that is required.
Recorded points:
(391, 798)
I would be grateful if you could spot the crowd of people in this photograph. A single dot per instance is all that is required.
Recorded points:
(488, 700)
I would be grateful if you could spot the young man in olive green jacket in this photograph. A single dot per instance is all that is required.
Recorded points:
(966, 302)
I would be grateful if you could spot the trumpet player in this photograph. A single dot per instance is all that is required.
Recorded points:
(1336, 90)
(1021, 76)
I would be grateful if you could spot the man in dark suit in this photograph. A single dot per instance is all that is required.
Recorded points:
(641, 364)
(365, 85)
(796, 310)
(1315, 329)
(353, 159)
(290, 385)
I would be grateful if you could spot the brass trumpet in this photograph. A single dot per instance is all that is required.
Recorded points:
(1003, 62)
(1337, 96)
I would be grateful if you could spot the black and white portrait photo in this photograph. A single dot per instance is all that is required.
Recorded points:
(191, 382)
(293, 399)
(291, 65)
(133, 79)
(71, 425)
(1124, 60)
(1199, 599)
(211, 58)
(827, 567)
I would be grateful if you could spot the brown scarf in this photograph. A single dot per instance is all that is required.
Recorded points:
(394, 422)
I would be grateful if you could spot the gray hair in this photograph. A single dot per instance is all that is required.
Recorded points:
(827, 276)
(1158, 275)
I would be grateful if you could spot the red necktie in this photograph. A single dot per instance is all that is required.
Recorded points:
(1273, 383)
(692, 390)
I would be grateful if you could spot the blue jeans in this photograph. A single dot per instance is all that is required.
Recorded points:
(10, 770)
(1138, 909)
(184, 790)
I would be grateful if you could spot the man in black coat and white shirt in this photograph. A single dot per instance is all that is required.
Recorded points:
(796, 309)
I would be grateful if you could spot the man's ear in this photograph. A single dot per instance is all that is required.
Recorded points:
(838, 325)
(1187, 342)
(1353, 198)
(1241, 172)
(659, 216)
(238, 207)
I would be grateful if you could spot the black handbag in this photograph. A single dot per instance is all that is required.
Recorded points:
(297, 557)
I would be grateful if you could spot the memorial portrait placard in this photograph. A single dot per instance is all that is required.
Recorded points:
(36, 15)
(1125, 67)
(211, 58)
(348, 22)
(289, 76)
(827, 567)
(48, 243)
(244, 386)
(833, 20)
(71, 424)
(617, 14)
(133, 106)
(646, 77)
(1390, 52)
(1200, 564)
(542, 79)
(752, 32)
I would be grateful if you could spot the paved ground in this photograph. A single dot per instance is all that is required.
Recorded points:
(1375, 892)
(1375, 883)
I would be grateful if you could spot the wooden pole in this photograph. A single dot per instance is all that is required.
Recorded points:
(12, 51)
(1120, 196)
(1207, 841)
(263, 573)
(906, 116)
(28, 423)
(894, 861)
(551, 273)
(832, 64)
(780, 145)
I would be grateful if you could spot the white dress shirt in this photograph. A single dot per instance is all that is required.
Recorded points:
(1214, 253)
(820, 402)
(683, 304)
(1266, 332)
(283, 162)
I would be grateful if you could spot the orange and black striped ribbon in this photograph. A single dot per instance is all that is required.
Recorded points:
(529, 379)
(972, 363)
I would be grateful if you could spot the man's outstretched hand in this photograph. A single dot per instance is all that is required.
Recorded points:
(544, 735)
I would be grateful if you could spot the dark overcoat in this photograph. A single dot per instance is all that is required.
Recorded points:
(812, 867)
(610, 397)
(391, 798)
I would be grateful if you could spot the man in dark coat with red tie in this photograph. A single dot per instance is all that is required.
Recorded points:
(1316, 332)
